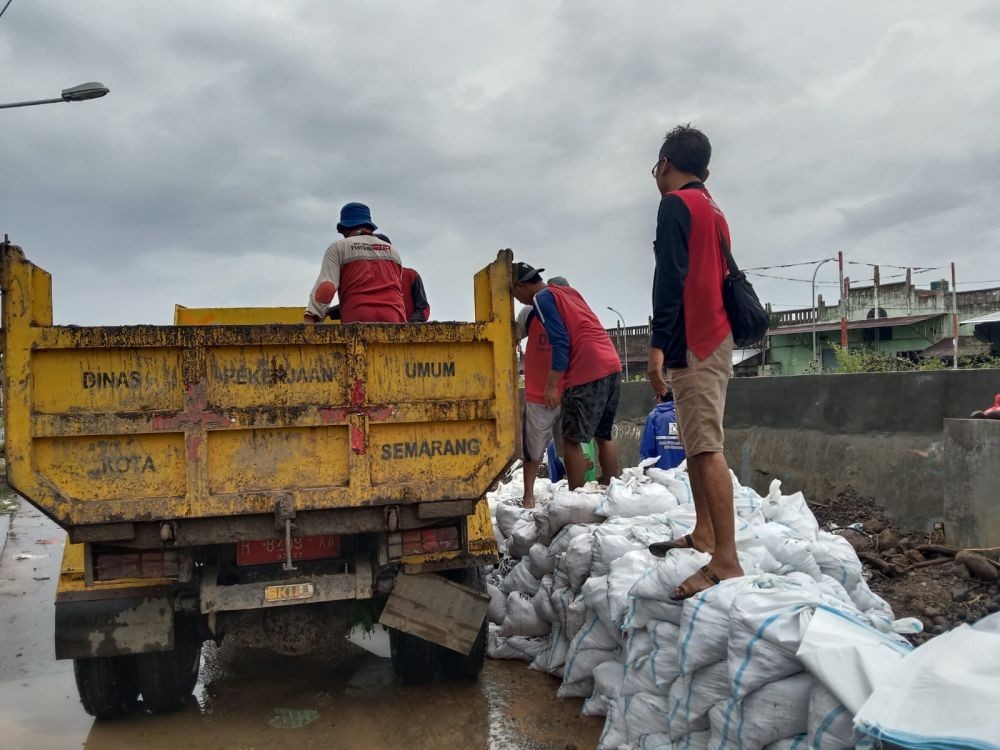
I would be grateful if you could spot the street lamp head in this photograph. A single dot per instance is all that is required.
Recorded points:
(84, 91)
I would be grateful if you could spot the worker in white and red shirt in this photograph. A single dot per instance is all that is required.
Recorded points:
(363, 270)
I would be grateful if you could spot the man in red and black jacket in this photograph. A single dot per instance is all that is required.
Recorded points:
(691, 336)
(584, 374)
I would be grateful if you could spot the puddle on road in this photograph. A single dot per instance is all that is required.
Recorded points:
(250, 699)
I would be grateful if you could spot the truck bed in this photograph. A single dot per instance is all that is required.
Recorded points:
(112, 431)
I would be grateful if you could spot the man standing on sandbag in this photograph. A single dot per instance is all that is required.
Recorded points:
(692, 337)
(539, 423)
(584, 375)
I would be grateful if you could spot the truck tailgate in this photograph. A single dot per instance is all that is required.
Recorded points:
(147, 423)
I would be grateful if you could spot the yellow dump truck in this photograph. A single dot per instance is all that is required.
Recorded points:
(240, 475)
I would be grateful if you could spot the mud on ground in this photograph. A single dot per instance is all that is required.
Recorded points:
(940, 592)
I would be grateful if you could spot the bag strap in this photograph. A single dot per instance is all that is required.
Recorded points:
(734, 270)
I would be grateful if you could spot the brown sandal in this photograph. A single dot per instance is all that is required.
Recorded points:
(660, 549)
(709, 575)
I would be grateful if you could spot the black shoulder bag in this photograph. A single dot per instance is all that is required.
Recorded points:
(747, 316)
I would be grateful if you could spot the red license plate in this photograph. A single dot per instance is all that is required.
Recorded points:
(264, 551)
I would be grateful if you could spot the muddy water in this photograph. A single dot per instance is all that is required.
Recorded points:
(249, 699)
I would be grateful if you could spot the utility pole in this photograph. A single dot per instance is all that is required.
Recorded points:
(954, 318)
(843, 303)
(877, 316)
(815, 314)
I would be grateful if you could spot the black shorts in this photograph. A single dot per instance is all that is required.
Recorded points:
(589, 409)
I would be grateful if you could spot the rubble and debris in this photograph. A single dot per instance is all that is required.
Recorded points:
(940, 584)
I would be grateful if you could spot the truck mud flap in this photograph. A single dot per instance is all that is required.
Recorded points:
(437, 610)
(113, 627)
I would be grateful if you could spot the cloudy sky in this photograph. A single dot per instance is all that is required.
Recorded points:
(214, 171)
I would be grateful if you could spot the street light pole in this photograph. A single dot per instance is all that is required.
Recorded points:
(623, 339)
(815, 308)
(84, 91)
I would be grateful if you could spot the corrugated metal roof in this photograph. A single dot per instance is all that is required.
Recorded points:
(944, 349)
(903, 320)
(993, 317)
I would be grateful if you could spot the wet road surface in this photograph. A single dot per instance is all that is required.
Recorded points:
(248, 699)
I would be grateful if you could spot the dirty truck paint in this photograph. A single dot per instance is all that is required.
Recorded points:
(146, 423)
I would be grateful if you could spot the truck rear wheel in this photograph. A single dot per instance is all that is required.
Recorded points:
(417, 661)
(414, 660)
(454, 664)
(107, 685)
(166, 678)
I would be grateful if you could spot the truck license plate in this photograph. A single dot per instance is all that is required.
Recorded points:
(264, 551)
(288, 592)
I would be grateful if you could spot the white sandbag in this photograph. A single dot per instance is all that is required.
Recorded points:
(561, 541)
(638, 665)
(508, 515)
(831, 725)
(746, 502)
(791, 551)
(498, 604)
(543, 601)
(777, 710)
(521, 617)
(662, 577)
(645, 714)
(552, 658)
(610, 543)
(572, 507)
(641, 613)
(595, 596)
(577, 559)
(676, 481)
(790, 510)
(663, 656)
(837, 558)
(591, 646)
(595, 634)
(942, 695)
(540, 564)
(570, 608)
(520, 579)
(704, 624)
(522, 537)
(691, 697)
(634, 498)
(767, 627)
(623, 576)
(875, 609)
(615, 734)
(515, 647)
(541, 517)
(607, 687)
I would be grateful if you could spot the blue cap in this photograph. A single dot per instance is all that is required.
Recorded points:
(355, 215)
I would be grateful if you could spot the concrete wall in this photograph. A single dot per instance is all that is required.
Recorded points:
(972, 481)
(880, 434)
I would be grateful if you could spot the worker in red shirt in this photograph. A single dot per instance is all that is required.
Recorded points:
(416, 307)
(584, 375)
(692, 337)
(363, 270)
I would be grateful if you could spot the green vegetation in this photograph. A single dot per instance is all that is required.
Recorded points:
(869, 360)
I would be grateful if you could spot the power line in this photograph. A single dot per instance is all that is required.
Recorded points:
(787, 278)
(789, 265)
(5, 8)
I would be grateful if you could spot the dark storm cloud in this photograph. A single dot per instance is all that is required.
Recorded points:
(214, 171)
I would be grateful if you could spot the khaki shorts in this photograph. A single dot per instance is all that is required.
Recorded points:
(700, 397)
(537, 425)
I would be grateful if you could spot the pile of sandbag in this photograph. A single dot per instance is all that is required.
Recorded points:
(579, 596)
